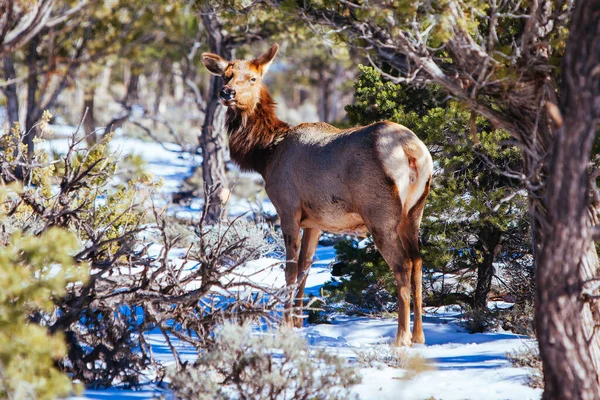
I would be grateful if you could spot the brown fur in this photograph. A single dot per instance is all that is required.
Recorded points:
(374, 178)
(253, 136)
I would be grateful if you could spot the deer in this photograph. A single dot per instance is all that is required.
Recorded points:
(373, 179)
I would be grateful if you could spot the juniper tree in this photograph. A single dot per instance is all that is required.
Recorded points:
(473, 209)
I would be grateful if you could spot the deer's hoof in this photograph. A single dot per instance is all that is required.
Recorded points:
(298, 322)
(418, 338)
(403, 341)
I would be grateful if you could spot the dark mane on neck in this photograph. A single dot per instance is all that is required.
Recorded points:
(253, 134)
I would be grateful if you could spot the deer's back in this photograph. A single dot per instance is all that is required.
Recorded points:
(332, 174)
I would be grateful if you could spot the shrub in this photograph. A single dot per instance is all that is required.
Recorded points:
(476, 320)
(130, 291)
(528, 356)
(34, 272)
(519, 319)
(80, 193)
(270, 366)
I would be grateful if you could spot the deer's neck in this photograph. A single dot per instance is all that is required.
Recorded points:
(253, 135)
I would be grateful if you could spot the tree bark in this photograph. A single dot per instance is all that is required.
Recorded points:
(569, 347)
(212, 140)
(160, 90)
(32, 88)
(490, 239)
(326, 88)
(130, 96)
(89, 123)
(10, 91)
(338, 104)
(133, 85)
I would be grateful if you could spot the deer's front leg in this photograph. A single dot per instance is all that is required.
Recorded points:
(291, 236)
(310, 240)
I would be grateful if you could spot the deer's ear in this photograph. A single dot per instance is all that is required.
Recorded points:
(215, 64)
(264, 61)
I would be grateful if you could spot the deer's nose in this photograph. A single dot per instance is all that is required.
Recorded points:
(227, 93)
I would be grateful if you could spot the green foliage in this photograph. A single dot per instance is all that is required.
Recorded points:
(360, 270)
(34, 273)
(376, 99)
(242, 364)
(118, 30)
(72, 212)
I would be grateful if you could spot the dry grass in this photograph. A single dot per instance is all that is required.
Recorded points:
(528, 356)
(384, 355)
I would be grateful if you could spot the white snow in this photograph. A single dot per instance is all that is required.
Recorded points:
(464, 366)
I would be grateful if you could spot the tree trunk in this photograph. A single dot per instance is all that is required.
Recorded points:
(569, 348)
(325, 94)
(212, 145)
(489, 240)
(130, 96)
(33, 113)
(160, 89)
(12, 102)
(338, 96)
(89, 123)
(10, 91)
(133, 85)
(212, 140)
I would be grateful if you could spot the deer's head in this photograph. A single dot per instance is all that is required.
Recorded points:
(242, 79)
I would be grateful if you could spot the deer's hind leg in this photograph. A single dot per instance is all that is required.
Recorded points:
(409, 235)
(388, 242)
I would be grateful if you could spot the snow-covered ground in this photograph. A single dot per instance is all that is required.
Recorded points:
(464, 366)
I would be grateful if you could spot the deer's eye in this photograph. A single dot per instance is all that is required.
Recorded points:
(252, 80)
